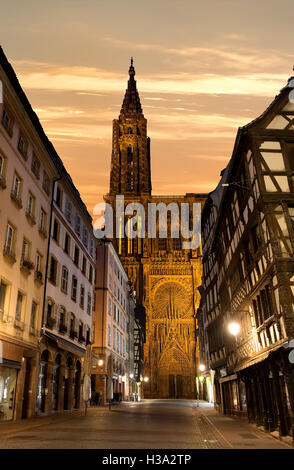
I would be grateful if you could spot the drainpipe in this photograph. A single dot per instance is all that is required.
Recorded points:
(48, 249)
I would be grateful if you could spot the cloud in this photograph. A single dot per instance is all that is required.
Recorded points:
(93, 80)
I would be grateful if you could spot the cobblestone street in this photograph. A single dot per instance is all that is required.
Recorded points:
(150, 424)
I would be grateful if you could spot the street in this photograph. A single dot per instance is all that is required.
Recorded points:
(150, 424)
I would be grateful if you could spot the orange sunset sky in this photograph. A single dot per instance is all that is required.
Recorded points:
(202, 70)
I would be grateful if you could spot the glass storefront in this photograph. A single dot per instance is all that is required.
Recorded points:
(7, 392)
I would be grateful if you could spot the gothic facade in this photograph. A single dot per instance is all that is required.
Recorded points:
(164, 276)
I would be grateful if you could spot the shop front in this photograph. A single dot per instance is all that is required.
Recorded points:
(11, 383)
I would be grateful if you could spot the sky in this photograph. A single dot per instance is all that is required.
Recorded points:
(202, 68)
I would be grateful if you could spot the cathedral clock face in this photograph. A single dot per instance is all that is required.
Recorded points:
(171, 300)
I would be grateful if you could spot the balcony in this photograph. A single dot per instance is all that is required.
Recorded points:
(27, 266)
(9, 254)
(50, 322)
(39, 276)
(62, 328)
(19, 324)
(16, 198)
(31, 218)
(2, 182)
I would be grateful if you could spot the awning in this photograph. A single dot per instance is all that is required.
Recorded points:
(228, 378)
(64, 344)
(258, 359)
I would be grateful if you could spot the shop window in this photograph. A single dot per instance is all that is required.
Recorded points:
(7, 392)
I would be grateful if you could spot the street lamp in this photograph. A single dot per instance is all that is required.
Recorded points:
(146, 379)
(100, 362)
(131, 376)
(202, 367)
(234, 328)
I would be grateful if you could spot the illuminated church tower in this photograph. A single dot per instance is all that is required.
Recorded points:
(164, 276)
(130, 162)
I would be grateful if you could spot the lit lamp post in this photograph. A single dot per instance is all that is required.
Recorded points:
(234, 328)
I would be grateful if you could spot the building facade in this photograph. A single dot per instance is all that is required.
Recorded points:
(44, 259)
(110, 374)
(26, 175)
(164, 276)
(248, 272)
(68, 314)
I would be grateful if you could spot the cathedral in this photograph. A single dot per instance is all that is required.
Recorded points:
(165, 276)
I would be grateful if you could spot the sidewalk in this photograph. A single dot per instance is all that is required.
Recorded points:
(239, 433)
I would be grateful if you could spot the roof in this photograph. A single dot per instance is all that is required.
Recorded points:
(131, 103)
(8, 69)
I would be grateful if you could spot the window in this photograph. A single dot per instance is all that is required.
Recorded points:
(81, 327)
(46, 183)
(109, 306)
(39, 262)
(33, 314)
(92, 247)
(78, 225)
(88, 339)
(114, 337)
(90, 274)
(53, 270)
(55, 231)
(74, 288)
(64, 279)
(58, 197)
(22, 145)
(43, 217)
(72, 324)
(1, 165)
(85, 236)
(25, 254)
(7, 121)
(16, 185)
(50, 309)
(84, 265)
(109, 335)
(35, 167)
(89, 304)
(68, 210)
(9, 239)
(3, 293)
(31, 205)
(76, 256)
(82, 297)
(62, 320)
(19, 306)
(67, 243)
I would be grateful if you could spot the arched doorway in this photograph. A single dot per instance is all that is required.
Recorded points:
(174, 378)
(77, 385)
(42, 384)
(68, 368)
(55, 382)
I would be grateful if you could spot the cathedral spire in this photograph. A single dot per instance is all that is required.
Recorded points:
(131, 103)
